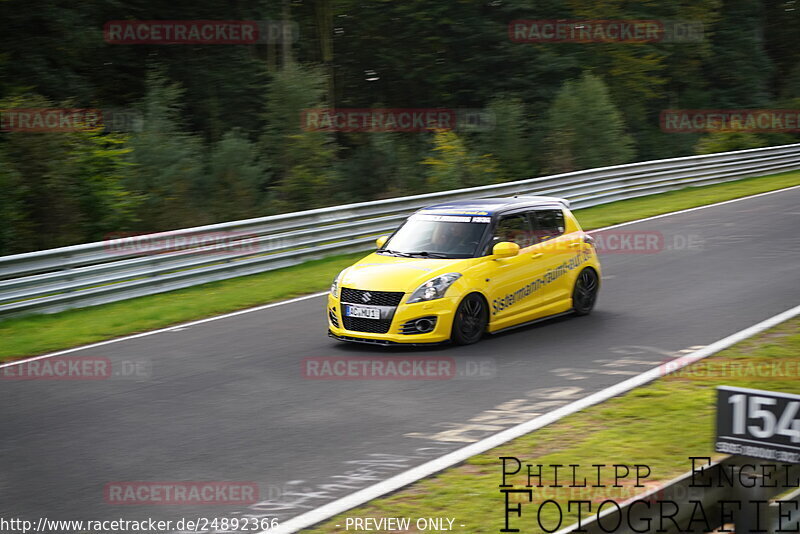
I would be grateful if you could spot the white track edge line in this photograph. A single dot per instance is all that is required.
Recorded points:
(431, 467)
(314, 295)
(696, 208)
(166, 329)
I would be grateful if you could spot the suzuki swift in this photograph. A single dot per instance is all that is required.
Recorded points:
(454, 271)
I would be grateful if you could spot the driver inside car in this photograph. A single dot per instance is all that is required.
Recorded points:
(452, 238)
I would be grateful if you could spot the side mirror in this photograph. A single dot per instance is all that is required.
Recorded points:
(505, 249)
(381, 241)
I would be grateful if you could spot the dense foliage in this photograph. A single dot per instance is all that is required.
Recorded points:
(220, 135)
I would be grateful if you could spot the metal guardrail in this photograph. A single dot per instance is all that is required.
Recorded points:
(680, 498)
(53, 280)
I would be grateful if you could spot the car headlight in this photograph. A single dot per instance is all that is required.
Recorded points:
(335, 286)
(434, 288)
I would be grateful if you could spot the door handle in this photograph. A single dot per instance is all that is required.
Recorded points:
(536, 255)
(575, 245)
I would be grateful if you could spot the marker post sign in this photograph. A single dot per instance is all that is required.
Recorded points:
(764, 425)
(758, 424)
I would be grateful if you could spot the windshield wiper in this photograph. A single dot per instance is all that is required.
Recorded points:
(390, 252)
(427, 254)
(423, 253)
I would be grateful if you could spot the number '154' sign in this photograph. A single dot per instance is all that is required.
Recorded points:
(758, 424)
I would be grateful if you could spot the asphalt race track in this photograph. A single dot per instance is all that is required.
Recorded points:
(227, 400)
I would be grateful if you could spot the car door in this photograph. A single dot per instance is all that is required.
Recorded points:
(508, 277)
(552, 251)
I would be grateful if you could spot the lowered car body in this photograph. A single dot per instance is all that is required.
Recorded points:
(455, 271)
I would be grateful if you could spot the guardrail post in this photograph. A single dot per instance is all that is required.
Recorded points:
(753, 516)
(783, 519)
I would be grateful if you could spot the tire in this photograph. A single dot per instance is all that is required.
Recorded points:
(470, 320)
(584, 295)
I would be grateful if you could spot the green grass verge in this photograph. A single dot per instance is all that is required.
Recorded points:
(42, 333)
(691, 197)
(32, 335)
(660, 425)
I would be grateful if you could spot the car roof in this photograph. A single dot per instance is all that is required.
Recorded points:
(491, 206)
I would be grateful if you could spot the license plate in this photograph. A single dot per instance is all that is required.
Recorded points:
(362, 312)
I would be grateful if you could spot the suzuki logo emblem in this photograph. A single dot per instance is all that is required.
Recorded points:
(366, 297)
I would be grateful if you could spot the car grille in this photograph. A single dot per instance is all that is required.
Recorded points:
(376, 298)
(333, 318)
(357, 324)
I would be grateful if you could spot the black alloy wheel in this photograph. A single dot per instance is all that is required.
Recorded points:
(472, 316)
(585, 293)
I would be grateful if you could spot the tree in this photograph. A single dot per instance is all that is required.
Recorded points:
(97, 163)
(585, 128)
(382, 165)
(509, 140)
(451, 165)
(739, 67)
(17, 227)
(309, 180)
(222, 137)
(301, 161)
(646, 77)
(167, 163)
(782, 44)
(61, 188)
(727, 142)
(236, 187)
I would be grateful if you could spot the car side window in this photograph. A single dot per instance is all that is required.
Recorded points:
(514, 228)
(547, 224)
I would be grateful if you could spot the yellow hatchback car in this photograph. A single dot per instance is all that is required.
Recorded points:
(455, 271)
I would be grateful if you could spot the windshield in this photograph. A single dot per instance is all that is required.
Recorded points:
(438, 236)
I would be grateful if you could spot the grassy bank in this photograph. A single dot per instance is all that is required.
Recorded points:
(31, 335)
(659, 425)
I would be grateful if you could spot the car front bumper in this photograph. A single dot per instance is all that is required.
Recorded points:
(402, 320)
